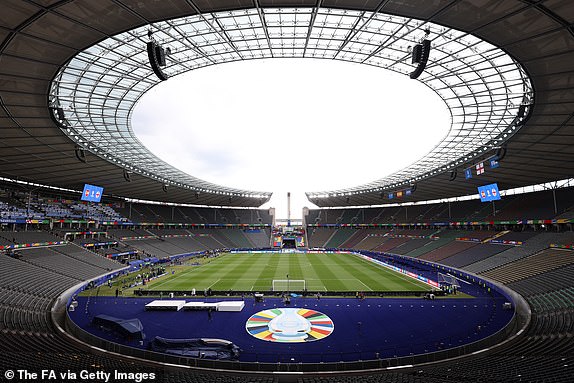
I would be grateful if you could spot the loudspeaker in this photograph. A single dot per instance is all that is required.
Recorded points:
(500, 153)
(521, 110)
(60, 113)
(425, 51)
(523, 115)
(164, 188)
(417, 54)
(156, 56)
(160, 55)
(127, 176)
(80, 154)
(453, 175)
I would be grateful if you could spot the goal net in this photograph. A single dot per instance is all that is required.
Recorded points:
(289, 285)
(447, 280)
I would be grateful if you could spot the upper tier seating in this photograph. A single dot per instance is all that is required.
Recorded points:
(539, 263)
(532, 246)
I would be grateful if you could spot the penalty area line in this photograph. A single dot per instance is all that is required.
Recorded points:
(214, 283)
(364, 285)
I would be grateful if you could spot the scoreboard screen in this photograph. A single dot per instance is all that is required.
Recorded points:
(92, 193)
(488, 193)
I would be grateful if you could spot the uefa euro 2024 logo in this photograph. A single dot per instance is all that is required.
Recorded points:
(289, 325)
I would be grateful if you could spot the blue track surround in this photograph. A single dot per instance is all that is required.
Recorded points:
(369, 329)
(391, 327)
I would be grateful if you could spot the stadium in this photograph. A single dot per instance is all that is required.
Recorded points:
(117, 266)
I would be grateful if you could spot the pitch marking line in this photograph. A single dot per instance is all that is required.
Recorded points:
(415, 282)
(181, 274)
(364, 284)
(214, 283)
(155, 286)
(187, 272)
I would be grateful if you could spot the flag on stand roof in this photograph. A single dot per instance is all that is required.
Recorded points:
(494, 163)
(479, 168)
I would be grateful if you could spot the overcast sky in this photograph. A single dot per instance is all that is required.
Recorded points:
(293, 125)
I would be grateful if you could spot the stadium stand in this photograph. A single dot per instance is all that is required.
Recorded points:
(340, 236)
(410, 245)
(390, 243)
(259, 238)
(546, 286)
(372, 239)
(137, 212)
(319, 236)
(444, 238)
(533, 245)
(536, 205)
(539, 205)
(474, 254)
(237, 238)
(356, 238)
(27, 237)
(40, 37)
(543, 354)
(448, 250)
(538, 263)
(50, 259)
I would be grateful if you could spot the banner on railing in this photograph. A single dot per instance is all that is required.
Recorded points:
(36, 244)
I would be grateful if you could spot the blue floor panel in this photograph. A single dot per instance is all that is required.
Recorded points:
(363, 329)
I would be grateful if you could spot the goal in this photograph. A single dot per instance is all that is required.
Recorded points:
(289, 285)
(447, 280)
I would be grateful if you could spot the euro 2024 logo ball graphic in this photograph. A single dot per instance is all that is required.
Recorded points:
(289, 325)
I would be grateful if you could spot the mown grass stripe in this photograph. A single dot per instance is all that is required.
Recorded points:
(255, 272)
(295, 270)
(262, 282)
(330, 271)
(312, 280)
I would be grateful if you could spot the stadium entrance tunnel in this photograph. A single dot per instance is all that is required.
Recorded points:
(311, 333)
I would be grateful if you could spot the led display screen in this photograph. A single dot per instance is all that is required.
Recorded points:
(92, 193)
(488, 193)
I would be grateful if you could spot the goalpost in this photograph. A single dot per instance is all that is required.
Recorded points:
(447, 280)
(289, 285)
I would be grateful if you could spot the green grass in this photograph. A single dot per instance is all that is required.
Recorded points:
(255, 272)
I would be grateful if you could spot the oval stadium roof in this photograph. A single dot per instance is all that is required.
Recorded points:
(511, 85)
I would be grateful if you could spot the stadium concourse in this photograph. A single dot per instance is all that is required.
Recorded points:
(71, 72)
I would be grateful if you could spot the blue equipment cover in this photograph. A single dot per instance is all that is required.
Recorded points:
(128, 328)
(218, 349)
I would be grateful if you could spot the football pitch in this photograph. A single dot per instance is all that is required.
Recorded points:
(256, 272)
